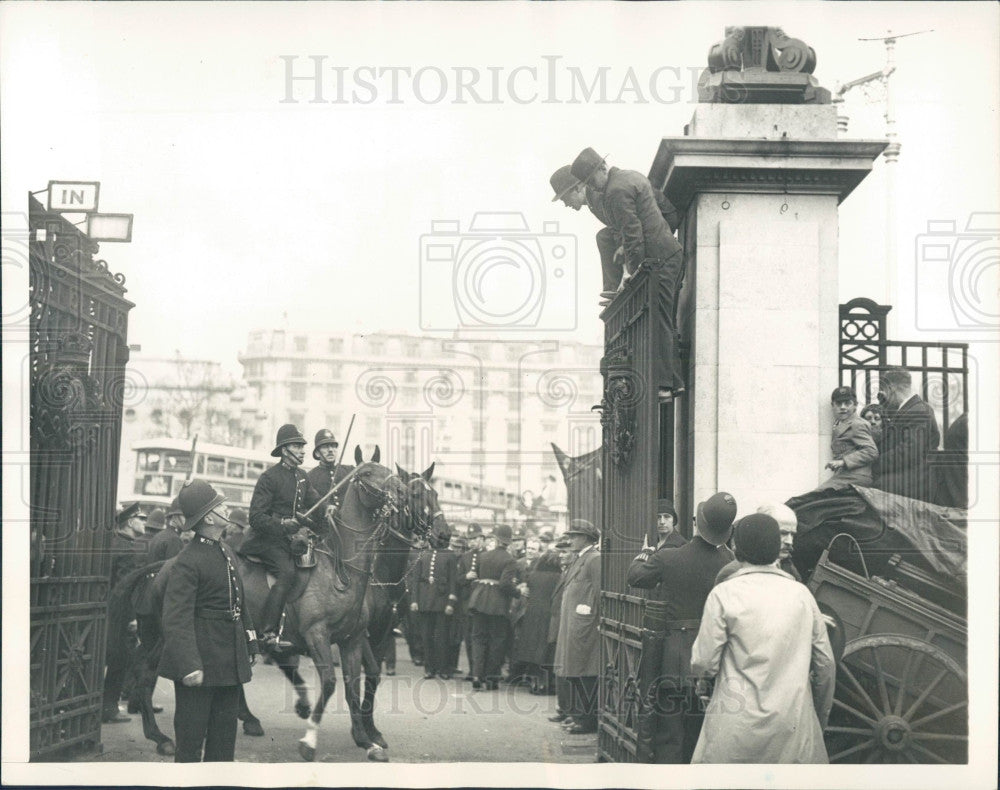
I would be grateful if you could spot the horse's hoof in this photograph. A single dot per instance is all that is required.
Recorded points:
(377, 754)
(303, 709)
(252, 727)
(307, 752)
(166, 748)
(378, 739)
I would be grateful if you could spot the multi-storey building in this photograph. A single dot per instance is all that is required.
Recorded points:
(483, 411)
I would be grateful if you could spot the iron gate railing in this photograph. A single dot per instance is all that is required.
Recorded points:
(78, 353)
(631, 481)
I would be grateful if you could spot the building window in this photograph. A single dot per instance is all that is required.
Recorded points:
(297, 418)
(372, 426)
(377, 347)
(513, 401)
(550, 427)
(298, 391)
(336, 370)
(411, 348)
(333, 422)
(334, 345)
(513, 380)
(410, 376)
(301, 343)
(334, 391)
(299, 369)
(477, 431)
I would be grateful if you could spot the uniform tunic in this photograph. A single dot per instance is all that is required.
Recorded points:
(280, 492)
(201, 587)
(435, 572)
(166, 544)
(324, 477)
(761, 636)
(127, 554)
(490, 607)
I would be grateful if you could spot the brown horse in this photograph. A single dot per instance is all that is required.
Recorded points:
(327, 612)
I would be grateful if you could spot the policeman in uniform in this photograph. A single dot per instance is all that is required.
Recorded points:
(493, 587)
(168, 543)
(129, 546)
(207, 635)
(468, 572)
(326, 475)
(281, 496)
(458, 544)
(683, 578)
(434, 603)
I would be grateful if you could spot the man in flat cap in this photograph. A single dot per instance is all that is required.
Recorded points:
(683, 578)
(280, 499)
(633, 213)
(493, 588)
(207, 634)
(578, 647)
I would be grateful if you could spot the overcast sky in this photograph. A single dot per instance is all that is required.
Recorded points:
(248, 207)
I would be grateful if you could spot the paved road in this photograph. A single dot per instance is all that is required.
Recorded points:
(422, 721)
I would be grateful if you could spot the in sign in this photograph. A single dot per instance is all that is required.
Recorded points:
(73, 195)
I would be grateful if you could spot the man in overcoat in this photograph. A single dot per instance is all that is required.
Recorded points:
(578, 647)
(207, 635)
(910, 434)
(434, 603)
(684, 577)
(494, 586)
(280, 498)
(634, 215)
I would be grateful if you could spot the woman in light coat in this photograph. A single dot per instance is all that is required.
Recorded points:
(764, 641)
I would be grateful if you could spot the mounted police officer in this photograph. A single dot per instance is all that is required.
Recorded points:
(327, 474)
(207, 635)
(281, 496)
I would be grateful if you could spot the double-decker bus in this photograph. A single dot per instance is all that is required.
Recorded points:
(162, 466)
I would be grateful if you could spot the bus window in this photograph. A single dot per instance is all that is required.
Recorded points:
(235, 469)
(254, 469)
(200, 465)
(176, 462)
(215, 466)
(149, 462)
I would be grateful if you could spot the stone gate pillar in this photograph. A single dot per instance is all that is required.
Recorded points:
(760, 174)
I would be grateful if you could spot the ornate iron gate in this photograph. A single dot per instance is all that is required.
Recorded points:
(78, 353)
(634, 475)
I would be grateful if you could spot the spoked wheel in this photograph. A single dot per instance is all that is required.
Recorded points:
(898, 700)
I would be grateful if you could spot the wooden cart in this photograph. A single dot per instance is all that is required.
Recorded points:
(902, 690)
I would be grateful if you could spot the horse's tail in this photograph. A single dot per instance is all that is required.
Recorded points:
(121, 612)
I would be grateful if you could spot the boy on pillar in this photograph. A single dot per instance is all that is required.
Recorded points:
(281, 496)
(207, 635)
(632, 211)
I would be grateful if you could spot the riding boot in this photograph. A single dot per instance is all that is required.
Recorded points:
(274, 606)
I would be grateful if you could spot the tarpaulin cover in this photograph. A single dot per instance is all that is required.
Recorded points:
(937, 533)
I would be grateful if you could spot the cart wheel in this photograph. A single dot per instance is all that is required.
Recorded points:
(899, 700)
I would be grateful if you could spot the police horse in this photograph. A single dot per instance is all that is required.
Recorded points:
(380, 521)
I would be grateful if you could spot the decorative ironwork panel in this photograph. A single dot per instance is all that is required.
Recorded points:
(79, 320)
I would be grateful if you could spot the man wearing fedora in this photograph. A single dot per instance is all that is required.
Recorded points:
(280, 498)
(207, 635)
(683, 578)
(575, 194)
(578, 648)
(493, 587)
(168, 543)
(633, 213)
